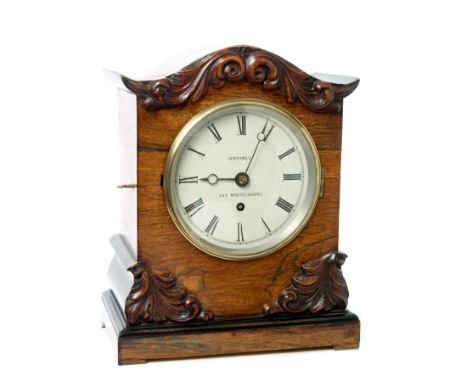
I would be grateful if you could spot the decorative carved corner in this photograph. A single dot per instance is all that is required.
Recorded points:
(240, 63)
(319, 286)
(157, 297)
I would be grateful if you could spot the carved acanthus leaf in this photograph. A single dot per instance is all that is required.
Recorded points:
(158, 297)
(318, 287)
(236, 64)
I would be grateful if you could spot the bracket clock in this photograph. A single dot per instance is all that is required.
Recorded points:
(229, 211)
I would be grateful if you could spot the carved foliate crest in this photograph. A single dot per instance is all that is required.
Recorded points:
(240, 63)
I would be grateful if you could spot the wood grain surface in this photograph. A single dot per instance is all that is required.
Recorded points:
(341, 332)
(230, 289)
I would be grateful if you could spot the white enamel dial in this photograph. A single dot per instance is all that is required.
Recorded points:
(242, 179)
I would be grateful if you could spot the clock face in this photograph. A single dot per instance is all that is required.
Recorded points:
(242, 179)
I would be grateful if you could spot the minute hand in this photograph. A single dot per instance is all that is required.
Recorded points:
(261, 138)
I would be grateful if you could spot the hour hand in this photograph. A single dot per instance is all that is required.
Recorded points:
(213, 179)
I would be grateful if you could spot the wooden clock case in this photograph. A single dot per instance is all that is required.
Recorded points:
(170, 300)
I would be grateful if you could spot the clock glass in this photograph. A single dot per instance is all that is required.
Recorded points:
(242, 179)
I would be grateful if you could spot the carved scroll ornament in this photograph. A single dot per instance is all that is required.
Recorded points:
(235, 64)
(157, 297)
(319, 286)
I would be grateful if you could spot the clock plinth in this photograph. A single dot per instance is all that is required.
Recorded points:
(151, 342)
(173, 296)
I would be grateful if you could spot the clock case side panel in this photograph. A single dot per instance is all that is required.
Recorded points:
(127, 103)
(259, 281)
(125, 243)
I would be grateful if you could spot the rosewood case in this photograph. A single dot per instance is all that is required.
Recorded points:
(167, 299)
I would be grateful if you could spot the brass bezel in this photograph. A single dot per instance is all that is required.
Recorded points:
(192, 238)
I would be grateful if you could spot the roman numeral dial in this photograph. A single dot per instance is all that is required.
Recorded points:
(241, 123)
(200, 154)
(194, 207)
(292, 176)
(240, 180)
(265, 225)
(285, 205)
(189, 179)
(215, 132)
(212, 225)
(240, 232)
(286, 153)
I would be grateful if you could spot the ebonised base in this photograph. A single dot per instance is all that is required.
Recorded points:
(150, 342)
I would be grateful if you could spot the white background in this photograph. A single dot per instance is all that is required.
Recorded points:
(404, 180)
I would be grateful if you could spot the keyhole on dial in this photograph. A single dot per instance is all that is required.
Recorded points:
(240, 206)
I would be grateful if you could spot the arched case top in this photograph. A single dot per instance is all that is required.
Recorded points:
(318, 93)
